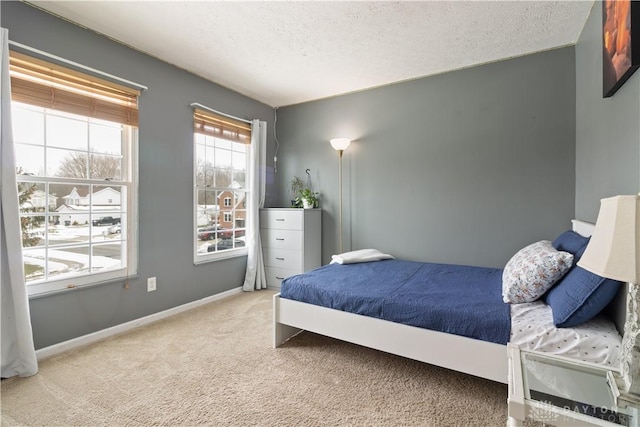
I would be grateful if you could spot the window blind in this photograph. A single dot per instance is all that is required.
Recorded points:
(48, 85)
(217, 125)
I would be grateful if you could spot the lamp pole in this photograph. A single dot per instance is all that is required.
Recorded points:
(340, 144)
(340, 192)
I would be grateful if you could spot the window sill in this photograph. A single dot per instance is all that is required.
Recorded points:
(234, 253)
(57, 289)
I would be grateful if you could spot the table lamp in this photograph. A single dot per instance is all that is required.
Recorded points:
(614, 252)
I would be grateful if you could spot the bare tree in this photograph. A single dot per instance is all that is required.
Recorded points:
(75, 165)
(208, 176)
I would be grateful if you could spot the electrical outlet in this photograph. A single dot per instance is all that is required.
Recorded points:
(151, 284)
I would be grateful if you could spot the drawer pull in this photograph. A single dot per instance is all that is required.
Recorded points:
(279, 219)
(279, 278)
(280, 238)
(280, 259)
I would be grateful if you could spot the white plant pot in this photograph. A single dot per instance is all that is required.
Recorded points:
(307, 204)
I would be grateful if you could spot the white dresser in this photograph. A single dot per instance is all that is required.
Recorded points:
(291, 242)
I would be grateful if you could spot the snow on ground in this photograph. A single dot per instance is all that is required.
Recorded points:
(62, 261)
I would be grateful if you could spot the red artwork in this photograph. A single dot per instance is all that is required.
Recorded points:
(619, 61)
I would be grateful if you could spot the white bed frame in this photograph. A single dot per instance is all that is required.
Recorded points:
(480, 358)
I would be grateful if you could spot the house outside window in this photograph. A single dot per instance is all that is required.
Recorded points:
(76, 172)
(221, 158)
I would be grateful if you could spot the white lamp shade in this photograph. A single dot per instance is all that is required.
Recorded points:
(340, 143)
(614, 248)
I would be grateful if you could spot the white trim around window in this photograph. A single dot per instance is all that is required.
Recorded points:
(69, 250)
(219, 194)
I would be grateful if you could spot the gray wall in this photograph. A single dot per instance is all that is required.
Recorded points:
(465, 167)
(166, 195)
(607, 129)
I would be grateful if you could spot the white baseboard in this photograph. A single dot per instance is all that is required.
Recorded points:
(93, 337)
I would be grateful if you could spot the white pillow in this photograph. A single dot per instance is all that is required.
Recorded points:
(532, 271)
(362, 255)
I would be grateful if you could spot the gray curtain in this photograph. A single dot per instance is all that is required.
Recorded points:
(255, 277)
(18, 352)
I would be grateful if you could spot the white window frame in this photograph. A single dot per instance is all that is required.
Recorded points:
(129, 179)
(200, 258)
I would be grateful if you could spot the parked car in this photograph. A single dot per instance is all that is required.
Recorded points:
(106, 220)
(114, 229)
(227, 234)
(225, 244)
(208, 233)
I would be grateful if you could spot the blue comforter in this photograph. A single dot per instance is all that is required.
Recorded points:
(461, 300)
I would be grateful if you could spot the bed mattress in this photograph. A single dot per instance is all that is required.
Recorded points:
(595, 341)
(460, 300)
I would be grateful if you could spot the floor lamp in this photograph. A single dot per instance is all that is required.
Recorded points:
(340, 144)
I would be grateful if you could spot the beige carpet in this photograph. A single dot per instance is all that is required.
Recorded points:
(214, 366)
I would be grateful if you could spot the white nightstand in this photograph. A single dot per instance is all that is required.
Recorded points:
(562, 392)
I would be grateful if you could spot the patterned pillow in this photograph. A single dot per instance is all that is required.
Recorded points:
(532, 271)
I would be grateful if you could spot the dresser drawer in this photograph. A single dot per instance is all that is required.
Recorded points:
(281, 239)
(275, 275)
(283, 258)
(284, 220)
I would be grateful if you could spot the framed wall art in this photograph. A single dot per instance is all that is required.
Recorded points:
(620, 43)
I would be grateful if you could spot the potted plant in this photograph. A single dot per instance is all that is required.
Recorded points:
(302, 194)
(297, 185)
(309, 198)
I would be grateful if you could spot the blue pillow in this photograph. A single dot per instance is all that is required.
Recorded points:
(580, 296)
(571, 242)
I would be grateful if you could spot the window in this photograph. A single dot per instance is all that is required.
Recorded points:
(221, 156)
(75, 145)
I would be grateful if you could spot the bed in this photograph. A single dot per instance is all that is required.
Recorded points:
(471, 343)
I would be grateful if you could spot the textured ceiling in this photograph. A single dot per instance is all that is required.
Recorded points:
(285, 52)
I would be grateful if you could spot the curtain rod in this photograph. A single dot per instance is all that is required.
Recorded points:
(204, 107)
(80, 66)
